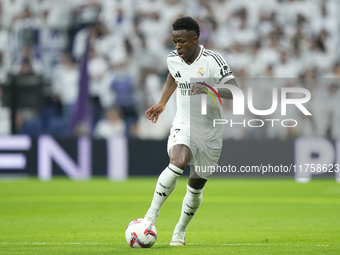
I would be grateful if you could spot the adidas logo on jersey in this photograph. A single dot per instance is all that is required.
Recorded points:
(178, 74)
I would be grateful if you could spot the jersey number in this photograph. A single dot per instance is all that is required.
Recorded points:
(176, 130)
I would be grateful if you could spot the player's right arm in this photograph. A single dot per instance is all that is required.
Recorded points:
(154, 111)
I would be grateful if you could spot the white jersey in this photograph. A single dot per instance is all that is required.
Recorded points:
(190, 127)
(209, 67)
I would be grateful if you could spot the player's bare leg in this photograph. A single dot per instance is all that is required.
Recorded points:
(190, 205)
(166, 183)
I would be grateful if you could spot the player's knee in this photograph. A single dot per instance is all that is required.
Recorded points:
(180, 161)
(196, 183)
(180, 157)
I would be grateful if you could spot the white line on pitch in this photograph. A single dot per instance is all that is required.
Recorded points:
(226, 244)
(27, 243)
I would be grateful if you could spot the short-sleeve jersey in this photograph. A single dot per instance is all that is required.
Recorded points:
(209, 67)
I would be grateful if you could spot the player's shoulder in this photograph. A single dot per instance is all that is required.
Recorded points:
(214, 57)
(173, 58)
(209, 52)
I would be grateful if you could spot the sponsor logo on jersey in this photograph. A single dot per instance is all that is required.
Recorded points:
(184, 85)
(200, 72)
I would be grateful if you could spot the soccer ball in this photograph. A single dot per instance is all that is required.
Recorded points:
(141, 233)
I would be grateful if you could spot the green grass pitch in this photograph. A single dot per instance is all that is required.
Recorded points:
(237, 216)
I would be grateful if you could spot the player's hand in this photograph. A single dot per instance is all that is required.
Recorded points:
(154, 111)
(198, 88)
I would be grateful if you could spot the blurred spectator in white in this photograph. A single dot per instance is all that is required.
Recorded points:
(105, 42)
(238, 57)
(84, 15)
(147, 60)
(151, 23)
(269, 72)
(38, 7)
(335, 72)
(10, 10)
(145, 8)
(221, 37)
(205, 31)
(269, 54)
(170, 11)
(326, 20)
(55, 117)
(123, 87)
(100, 38)
(299, 60)
(285, 68)
(300, 41)
(319, 109)
(145, 129)
(198, 9)
(334, 108)
(85, 11)
(65, 81)
(153, 92)
(295, 9)
(97, 68)
(5, 117)
(320, 54)
(242, 32)
(153, 89)
(4, 41)
(59, 13)
(23, 31)
(117, 17)
(52, 41)
(153, 29)
(222, 10)
(267, 21)
(79, 43)
(109, 8)
(253, 63)
(4, 69)
(111, 125)
(335, 134)
(109, 14)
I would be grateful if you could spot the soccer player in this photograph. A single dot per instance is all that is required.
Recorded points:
(189, 61)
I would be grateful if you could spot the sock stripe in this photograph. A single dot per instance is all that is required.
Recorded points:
(174, 171)
(193, 192)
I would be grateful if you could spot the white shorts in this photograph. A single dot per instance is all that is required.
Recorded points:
(204, 154)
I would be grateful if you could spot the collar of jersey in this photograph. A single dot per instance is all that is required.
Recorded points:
(198, 57)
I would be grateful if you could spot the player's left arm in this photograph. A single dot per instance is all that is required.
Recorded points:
(224, 92)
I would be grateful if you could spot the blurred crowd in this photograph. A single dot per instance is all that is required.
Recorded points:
(129, 44)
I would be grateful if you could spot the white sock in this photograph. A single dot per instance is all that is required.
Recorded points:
(166, 183)
(191, 203)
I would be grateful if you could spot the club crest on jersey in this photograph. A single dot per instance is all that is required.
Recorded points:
(200, 72)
